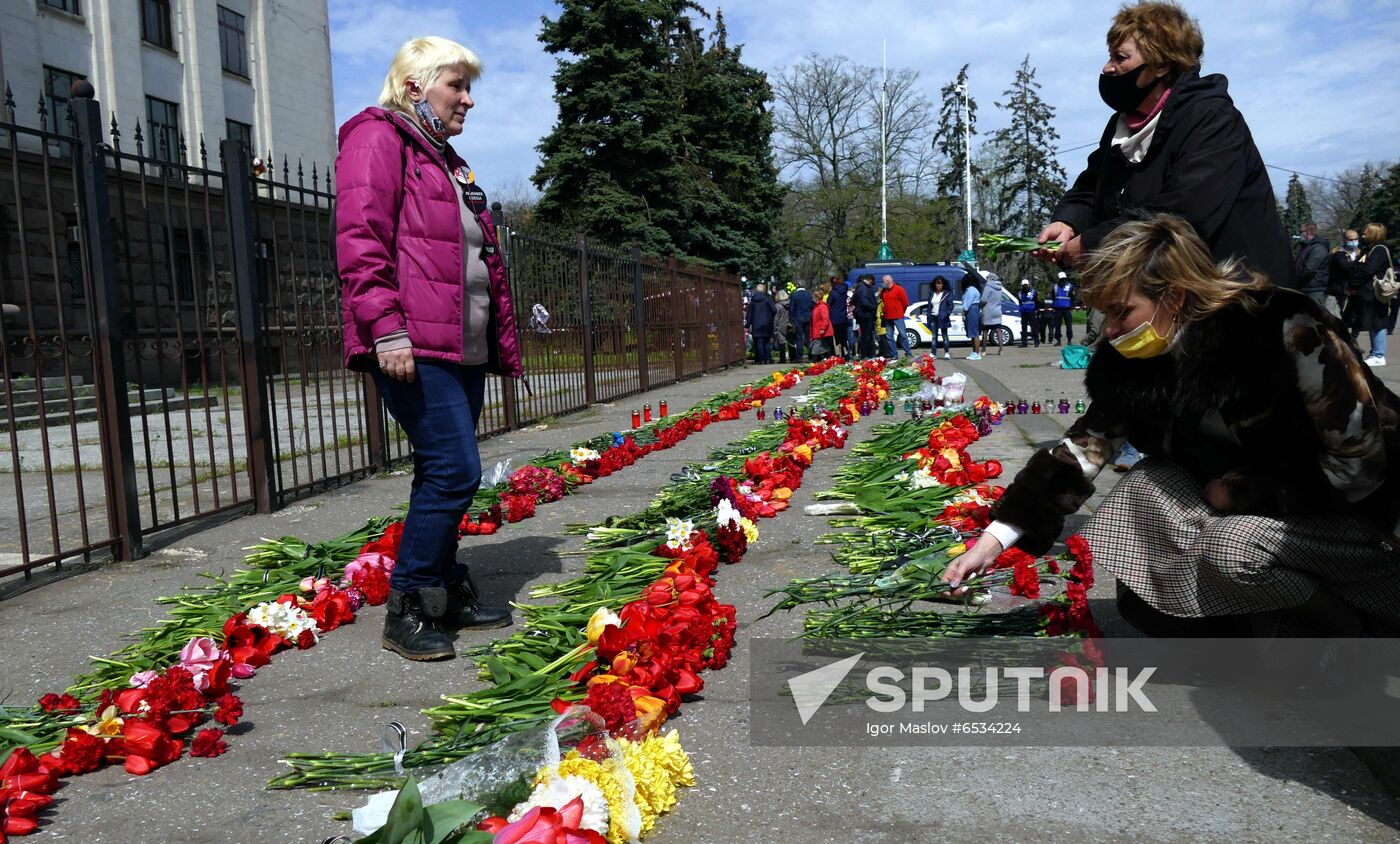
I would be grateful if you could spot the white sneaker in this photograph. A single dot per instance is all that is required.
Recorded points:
(947, 355)
(1374, 362)
(974, 356)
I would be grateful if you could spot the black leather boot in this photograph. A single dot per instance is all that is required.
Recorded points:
(412, 628)
(466, 612)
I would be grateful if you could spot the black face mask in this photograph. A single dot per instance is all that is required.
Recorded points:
(1121, 93)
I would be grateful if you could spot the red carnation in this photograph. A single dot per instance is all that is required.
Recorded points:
(80, 753)
(208, 744)
(306, 639)
(229, 709)
(59, 703)
(612, 703)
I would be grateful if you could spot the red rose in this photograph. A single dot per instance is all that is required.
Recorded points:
(208, 744)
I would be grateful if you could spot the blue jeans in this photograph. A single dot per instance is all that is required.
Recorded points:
(1378, 342)
(940, 330)
(803, 330)
(439, 411)
(897, 336)
(762, 349)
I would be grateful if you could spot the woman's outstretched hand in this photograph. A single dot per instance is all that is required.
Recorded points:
(1062, 233)
(971, 563)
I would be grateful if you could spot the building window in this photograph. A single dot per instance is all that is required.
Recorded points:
(58, 85)
(155, 23)
(189, 249)
(241, 132)
(233, 42)
(163, 119)
(69, 6)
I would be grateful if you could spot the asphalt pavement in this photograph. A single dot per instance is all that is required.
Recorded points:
(338, 695)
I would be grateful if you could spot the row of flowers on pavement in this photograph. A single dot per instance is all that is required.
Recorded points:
(149, 720)
(636, 665)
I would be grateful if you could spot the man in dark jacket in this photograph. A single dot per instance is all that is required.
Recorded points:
(840, 320)
(762, 311)
(1311, 266)
(800, 312)
(866, 303)
(1177, 145)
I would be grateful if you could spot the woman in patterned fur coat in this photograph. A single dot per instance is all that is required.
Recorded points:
(1269, 503)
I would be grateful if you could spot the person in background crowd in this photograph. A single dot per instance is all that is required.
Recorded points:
(838, 310)
(822, 334)
(993, 295)
(1063, 304)
(866, 303)
(894, 301)
(1030, 304)
(1175, 143)
(972, 316)
(939, 315)
(851, 319)
(1310, 267)
(427, 311)
(1269, 504)
(800, 312)
(1365, 312)
(762, 312)
(782, 326)
(1339, 277)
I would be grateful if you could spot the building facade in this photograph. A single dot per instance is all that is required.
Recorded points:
(257, 70)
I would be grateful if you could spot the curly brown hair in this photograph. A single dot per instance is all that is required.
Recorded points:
(1164, 32)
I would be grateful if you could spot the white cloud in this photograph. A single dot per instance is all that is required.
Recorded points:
(1314, 78)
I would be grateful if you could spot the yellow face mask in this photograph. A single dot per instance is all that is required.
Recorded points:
(1143, 341)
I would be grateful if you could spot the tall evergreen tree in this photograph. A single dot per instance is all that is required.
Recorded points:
(1297, 210)
(948, 137)
(610, 163)
(733, 201)
(1031, 178)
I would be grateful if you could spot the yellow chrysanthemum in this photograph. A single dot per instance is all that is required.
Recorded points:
(673, 757)
(750, 529)
(607, 781)
(655, 792)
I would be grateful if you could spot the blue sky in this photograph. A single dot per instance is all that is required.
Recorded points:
(1317, 80)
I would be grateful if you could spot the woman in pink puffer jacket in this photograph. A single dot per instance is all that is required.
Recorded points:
(427, 310)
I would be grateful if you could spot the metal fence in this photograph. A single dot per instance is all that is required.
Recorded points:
(171, 343)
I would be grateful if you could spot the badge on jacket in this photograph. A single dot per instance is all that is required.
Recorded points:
(472, 194)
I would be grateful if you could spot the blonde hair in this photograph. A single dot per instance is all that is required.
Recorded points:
(1164, 33)
(1374, 232)
(1162, 254)
(422, 59)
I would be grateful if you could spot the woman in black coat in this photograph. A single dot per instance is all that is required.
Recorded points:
(1176, 143)
(1366, 313)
